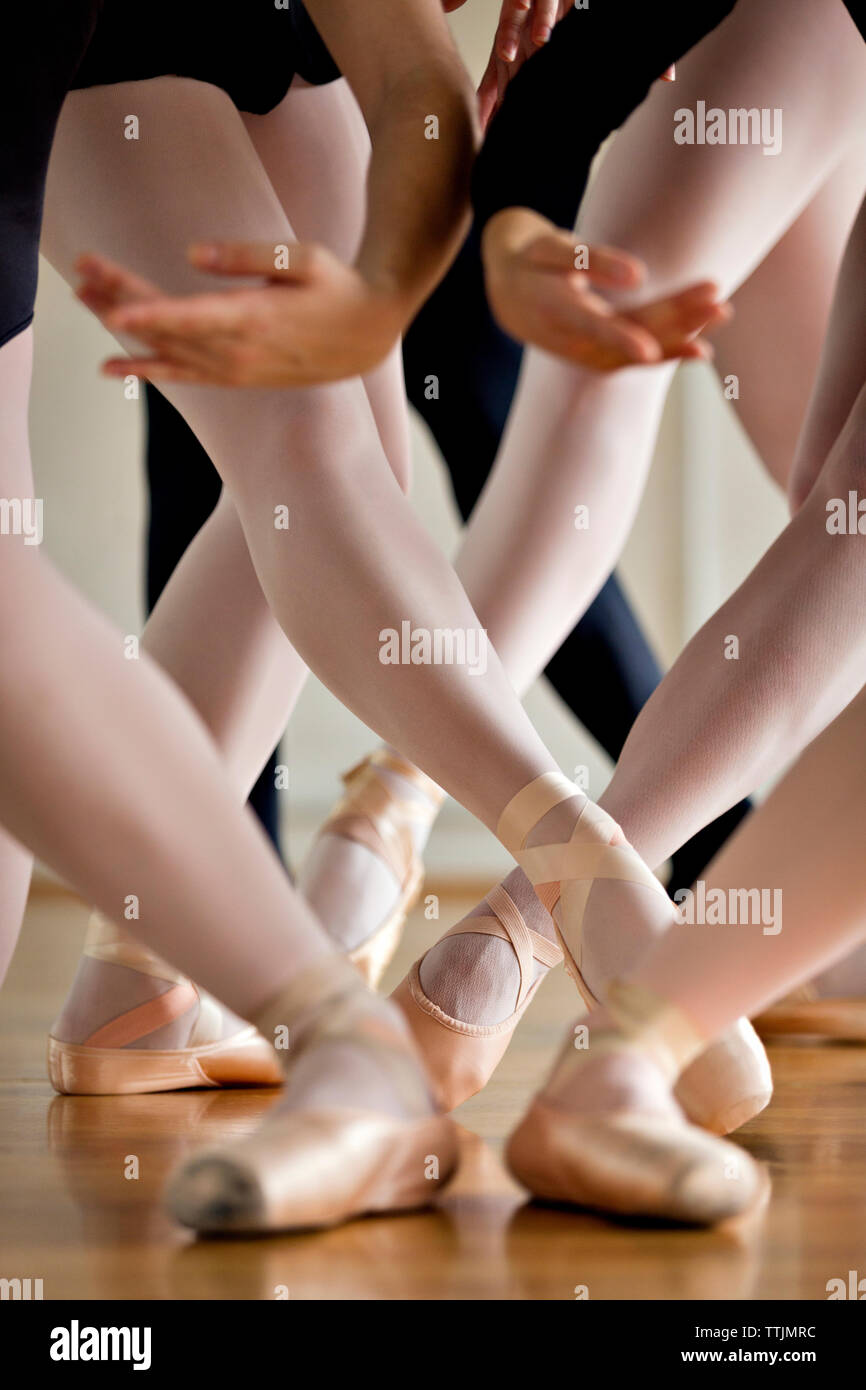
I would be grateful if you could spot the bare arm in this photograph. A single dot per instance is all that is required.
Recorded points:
(400, 61)
(318, 319)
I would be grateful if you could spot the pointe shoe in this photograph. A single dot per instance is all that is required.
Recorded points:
(727, 1084)
(106, 1063)
(804, 1013)
(371, 814)
(461, 1057)
(316, 1168)
(632, 1165)
(626, 1162)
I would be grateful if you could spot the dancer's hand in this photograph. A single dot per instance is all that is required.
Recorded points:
(524, 27)
(538, 296)
(316, 320)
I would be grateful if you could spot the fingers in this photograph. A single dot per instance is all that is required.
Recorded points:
(581, 326)
(488, 92)
(199, 316)
(113, 282)
(544, 17)
(512, 23)
(604, 266)
(274, 260)
(676, 318)
(610, 267)
(618, 343)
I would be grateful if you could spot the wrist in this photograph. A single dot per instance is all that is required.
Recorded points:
(510, 231)
(391, 299)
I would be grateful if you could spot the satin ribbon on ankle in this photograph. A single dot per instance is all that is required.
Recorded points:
(567, 869)
(329, 1002)
(654, 1026)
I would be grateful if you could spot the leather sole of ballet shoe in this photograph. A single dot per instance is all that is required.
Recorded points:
(372, 958)
(318, 1172)
(843, 1020)
(244, 1059)
(610, 1165)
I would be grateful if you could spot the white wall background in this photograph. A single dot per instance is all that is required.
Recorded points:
(683, 557)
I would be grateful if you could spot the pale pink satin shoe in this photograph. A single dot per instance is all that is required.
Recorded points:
(461, 1057)
(318, 1167)
(728, 1084)
(108, 1063)
(372, 814)
(627, 1162)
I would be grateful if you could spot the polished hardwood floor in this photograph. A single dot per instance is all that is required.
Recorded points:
(70, 1216)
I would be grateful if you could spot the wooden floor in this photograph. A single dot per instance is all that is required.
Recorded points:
(71, 1218)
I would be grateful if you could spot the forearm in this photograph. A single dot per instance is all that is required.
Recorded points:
(424, 137)
(566, 99)
(417, 101)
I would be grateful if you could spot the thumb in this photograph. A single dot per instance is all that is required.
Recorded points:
(273, 260)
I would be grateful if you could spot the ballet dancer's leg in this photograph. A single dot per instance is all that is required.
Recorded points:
(212, 629)
(356, 561)
(612, 1101)
(123, 785)
(315, 149)
(16, 862)
(572, 434)
(16, 865)
(105, 771)
(183, 487)
(789, 296)
(578, 438)
(798, 619)
(724, 208)
(773, 342)
(108, 775)
(29, 108)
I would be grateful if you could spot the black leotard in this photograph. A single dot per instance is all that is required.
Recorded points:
(598, 66)
(248, 47)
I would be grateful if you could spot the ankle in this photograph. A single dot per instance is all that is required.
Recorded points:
(556, 826)
(619, 1076)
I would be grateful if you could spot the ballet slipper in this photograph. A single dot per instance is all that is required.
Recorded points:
(106, 1063)
(626, 1162)
(461, 1057)
(314, 1168)
(730, 1082)
(373, 815)
(804, 1013)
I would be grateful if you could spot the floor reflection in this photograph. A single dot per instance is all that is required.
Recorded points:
(482, 1241)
